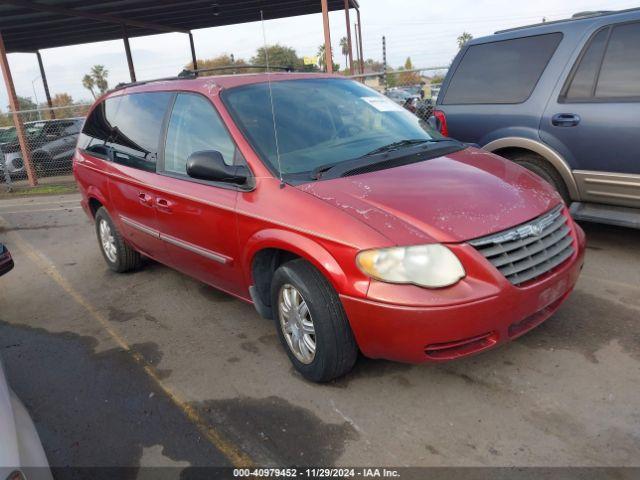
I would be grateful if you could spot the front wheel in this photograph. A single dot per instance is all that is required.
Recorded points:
(117, 253)
(311, 323)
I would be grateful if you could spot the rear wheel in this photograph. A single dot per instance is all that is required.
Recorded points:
(117, 253)
(541, 167)
(311, 323)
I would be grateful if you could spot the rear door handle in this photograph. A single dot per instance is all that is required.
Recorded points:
(565, 119)
(164, 204)
(145, 199)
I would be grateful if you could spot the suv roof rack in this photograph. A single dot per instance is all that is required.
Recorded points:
(575, 17)
(190, 74)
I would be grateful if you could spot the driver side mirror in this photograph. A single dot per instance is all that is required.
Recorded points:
(209, 165)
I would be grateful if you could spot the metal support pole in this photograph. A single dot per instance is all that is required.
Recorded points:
(193, 52)
(360, 40)
(127, 50)
(328, 57)
(384, 63)
(17, 121)
(346, 15)
(45, 84)
(355, 29)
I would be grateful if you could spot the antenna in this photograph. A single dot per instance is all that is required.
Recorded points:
(273, 109)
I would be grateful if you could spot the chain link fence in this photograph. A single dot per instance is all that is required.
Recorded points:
(50, 136)
(416, 89)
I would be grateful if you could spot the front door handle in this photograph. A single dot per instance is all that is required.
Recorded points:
(164, 204)
(145, 199)
(565, 119)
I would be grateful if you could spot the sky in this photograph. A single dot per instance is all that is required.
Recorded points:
(424, 30)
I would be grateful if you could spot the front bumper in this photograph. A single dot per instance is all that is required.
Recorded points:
(417, 334)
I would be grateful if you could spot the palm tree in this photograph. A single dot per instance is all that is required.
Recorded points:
(100, 74)
(463, 39)
(321, 59)
(344, 44)
(89, 83)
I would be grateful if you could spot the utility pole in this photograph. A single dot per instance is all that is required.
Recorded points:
(384, 63)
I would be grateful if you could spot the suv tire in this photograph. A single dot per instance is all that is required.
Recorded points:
(541, 167)
(317, 308)
(117, 253)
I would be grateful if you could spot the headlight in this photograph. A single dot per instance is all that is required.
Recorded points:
(431, 266)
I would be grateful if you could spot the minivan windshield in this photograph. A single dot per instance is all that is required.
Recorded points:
(323, 121)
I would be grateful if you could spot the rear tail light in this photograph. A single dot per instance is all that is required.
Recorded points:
(441, 121)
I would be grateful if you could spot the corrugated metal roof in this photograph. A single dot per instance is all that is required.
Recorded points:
(27, 26)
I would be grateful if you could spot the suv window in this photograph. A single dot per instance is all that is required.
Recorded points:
(585, 74)
(194, 126)
(620, 73)
(128, 128)
(501, 72)
(609, 68)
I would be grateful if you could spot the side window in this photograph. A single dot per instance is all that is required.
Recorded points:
(501, 72)
(135, 137)
(620, 73)
(609, 69)
(585, 74)
(195, 126)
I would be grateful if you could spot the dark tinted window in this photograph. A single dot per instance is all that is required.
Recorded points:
(585, 75)
(501, 72)
(620, 74)
(128, 128)
(195, 126)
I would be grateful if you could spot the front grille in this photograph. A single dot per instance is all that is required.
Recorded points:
(529, 250)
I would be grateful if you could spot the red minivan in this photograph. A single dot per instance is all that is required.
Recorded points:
(337, 213)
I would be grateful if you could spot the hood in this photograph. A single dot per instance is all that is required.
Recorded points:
(454, 198)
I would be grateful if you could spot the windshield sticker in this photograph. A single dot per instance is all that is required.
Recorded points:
(382, 104)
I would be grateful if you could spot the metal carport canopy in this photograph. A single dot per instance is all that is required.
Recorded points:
(29, 26)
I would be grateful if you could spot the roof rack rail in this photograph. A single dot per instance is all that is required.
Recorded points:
(122, 85)
(186, 74)
(575, 17)
(194, 73)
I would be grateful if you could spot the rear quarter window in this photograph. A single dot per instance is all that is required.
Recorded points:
(501, 72)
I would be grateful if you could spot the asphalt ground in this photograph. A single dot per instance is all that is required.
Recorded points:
(156, 369)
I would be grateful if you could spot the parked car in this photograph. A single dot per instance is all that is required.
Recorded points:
(20, 447)
(6, 262)
(561, 99)
(52, 143)
(21, 456)
(349, 222)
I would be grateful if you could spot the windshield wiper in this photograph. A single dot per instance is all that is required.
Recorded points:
(317, 172)
(398, 145)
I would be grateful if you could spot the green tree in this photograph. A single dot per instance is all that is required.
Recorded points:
(463, 38)
(96, 80)
(344, 45)
(322, 60)
(279, 56)
(89, 83)
(406, 77)
(224, 60)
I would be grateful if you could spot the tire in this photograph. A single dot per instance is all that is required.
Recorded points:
(541, 167)
(121, 258)
(335, 347)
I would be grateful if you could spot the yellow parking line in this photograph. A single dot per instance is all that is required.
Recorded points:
(235, 455)
(29, 204)
(60, 209)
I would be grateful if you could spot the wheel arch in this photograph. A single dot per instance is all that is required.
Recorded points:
(268, 249)
(547, 153)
